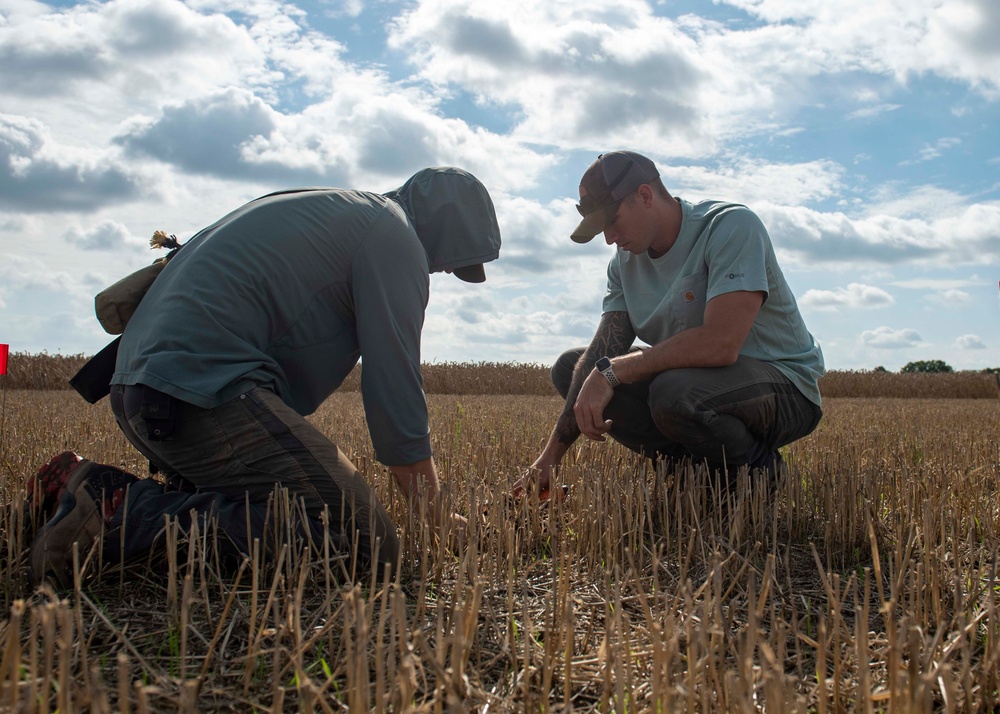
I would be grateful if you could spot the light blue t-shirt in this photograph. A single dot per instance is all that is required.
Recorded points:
(721, 248)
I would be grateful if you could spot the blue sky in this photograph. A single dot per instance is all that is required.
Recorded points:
(865, 135)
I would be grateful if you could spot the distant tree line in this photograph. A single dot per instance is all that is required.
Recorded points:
(929, 366)
(926, 365)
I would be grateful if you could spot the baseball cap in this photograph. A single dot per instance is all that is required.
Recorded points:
(614, 175)
(470, 273)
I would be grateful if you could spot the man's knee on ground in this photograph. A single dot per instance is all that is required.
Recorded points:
(388, 547)
(385, 560)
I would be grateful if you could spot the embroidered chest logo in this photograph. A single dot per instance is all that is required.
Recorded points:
(689, 297)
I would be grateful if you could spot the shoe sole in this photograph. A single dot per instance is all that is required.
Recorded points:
(69, 525)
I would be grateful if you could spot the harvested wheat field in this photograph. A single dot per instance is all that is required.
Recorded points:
(866, 583)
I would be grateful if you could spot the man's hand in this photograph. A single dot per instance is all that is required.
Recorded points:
(419, 482)
(455, 531)
(590, 405)
(417, 479)
(537, 478)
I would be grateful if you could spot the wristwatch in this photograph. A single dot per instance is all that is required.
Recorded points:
(603, 366)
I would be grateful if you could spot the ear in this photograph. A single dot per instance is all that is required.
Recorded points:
(645, 194)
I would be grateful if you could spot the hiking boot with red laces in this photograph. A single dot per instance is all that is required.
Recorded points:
(90, 497)
(46, 486)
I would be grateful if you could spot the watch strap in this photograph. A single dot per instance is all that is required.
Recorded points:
(604, 367)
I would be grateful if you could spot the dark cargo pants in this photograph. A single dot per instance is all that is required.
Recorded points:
(726, 416)
(231, 459)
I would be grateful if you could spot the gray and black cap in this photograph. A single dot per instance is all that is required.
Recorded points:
(611, 178)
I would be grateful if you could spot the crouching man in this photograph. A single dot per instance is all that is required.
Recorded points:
(247, 330)
(731, 372)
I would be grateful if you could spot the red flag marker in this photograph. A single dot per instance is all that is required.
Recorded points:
(4, 349)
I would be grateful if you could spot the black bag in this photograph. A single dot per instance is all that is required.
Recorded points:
(93, 381)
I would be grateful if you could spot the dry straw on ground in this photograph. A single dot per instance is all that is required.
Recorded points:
(867, 583)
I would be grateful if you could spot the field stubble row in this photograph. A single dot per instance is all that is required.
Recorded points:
(867, 582)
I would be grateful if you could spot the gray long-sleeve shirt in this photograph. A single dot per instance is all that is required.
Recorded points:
(290, 290)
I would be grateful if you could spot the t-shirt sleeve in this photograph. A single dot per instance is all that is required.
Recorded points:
(737, 254)
(390, 289)
(614, 297)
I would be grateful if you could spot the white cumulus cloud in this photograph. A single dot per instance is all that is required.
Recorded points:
(854, 297)
(891, 339)
(970, 342)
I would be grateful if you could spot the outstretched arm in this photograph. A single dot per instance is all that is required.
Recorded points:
(614, 337)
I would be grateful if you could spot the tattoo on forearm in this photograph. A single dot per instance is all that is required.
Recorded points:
(614, 337)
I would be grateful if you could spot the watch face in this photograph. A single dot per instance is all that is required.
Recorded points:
(603, 363)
